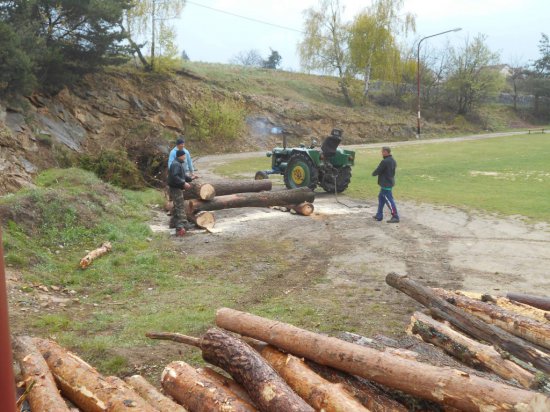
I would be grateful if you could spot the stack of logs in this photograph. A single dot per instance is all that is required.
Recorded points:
(273, 366)
(203, 198)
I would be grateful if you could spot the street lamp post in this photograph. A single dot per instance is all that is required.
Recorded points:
(418, 76)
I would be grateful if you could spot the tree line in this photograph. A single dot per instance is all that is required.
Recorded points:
(373, 46)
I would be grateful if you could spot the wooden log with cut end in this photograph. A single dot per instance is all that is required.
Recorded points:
(94, 254)
(304, 208)
(44, 395)
(511, 305)
(198, 393)
(227, 382)
(204, 220)
(541, 302)
(262, 199)
(469, 351)
(85, 387)
(320, 393)
(152, 395)
(230, 187)
(518, 325)
(199, 190)
(264, 386)
(443, 385)
(470, 324)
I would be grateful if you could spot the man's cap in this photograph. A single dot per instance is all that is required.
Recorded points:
(180, 140)
(180, 153)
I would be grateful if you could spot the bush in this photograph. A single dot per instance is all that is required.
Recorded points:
(113, 166)
(220, 119)
(15, 65)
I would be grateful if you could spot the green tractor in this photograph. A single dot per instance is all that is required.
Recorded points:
(304, 166)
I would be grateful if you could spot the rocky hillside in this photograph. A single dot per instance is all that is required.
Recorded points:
(139, 115)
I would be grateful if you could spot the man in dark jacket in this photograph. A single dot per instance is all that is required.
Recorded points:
(386, 180)
(178, 180)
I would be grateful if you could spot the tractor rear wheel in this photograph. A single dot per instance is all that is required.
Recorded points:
(301, 172)
(343, 178)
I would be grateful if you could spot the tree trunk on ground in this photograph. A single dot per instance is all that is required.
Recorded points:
(85, 387)
(519, 325)
(226, 382)
(94, 254)
(469, 351)
(152, 395)
(473, 326)
(44, 395)
(315, 390)
(370, 396)
(265, 387)
(227, 187)
(262, 199)
(540, 302)
(304, 208)
(204, 220)
(443, 385)
(199, 393)
(512, 306)
(199, 190)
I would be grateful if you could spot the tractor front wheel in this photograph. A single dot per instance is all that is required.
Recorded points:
(343, 178)
(301, 172)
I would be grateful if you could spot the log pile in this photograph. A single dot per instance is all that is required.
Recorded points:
(453, 360)
(203, 198)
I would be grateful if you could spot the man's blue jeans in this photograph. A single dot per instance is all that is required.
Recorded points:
(385, 197)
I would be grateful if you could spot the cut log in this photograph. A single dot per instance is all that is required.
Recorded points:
(199, 190)
(320, 393)
(469, 324)
(227, 382)
(518, 325)
(469, 351)
(304, 208)
(443, 385)
(44, 395)
(199, 393)
(541, 302)
(152, 395)
(511, 305)
(94, 254)
(262, 199)
(204, 220)
(264, 386)
(370, 396)
(85, 387)
(228, 187)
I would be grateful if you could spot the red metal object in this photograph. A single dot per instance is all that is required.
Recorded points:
(7, 380)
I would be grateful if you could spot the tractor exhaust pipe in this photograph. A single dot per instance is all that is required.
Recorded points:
(284, 140)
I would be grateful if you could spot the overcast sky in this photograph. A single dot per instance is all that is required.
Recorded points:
(513, 27)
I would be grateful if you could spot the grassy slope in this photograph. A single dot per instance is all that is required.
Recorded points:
(508, 175)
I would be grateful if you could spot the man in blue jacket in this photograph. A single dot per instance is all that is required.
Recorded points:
(178, 181)
(386, 180)
(180, 145)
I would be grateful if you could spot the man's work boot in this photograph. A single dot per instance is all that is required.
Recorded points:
(180, 232)
(393, 219)
(376, 218)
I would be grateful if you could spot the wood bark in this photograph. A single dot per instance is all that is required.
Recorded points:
(540, 302)
(152, 395)
(227, 382)
(469, 324)
(511, 305)
(94, 254)
(44, 395)
(230, 187)
(443, 385)
(518, 325)
(264, 386)
(262, 199)
(469, 351)
(320, 393)
(200, 190)
(199, 393)
(85, 387)
(304, 208)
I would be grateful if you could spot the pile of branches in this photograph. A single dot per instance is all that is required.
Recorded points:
(464, 353)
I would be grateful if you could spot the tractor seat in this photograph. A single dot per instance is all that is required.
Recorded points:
(330, 145)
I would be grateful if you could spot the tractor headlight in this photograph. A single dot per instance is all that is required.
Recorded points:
(268, 154)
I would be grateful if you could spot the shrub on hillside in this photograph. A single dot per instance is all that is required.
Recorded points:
(113, 166)
(217, 119)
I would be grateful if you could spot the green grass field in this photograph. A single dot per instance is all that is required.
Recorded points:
(508, 175)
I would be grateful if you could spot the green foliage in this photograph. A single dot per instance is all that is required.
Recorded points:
(113, 166)
(217, 119)
(273, 61)
(16, 76)
(542, 64)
